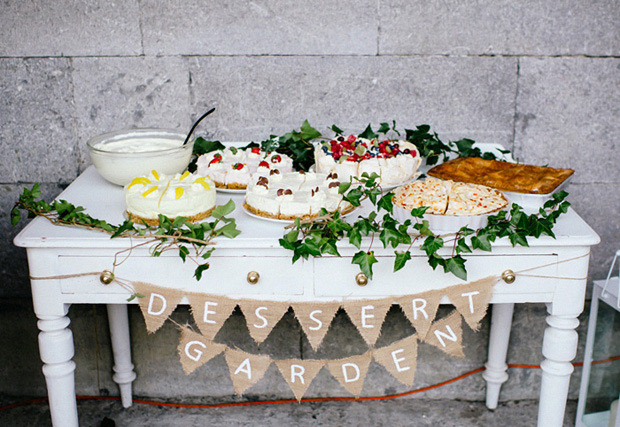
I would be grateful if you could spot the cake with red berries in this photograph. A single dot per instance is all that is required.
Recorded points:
(394, 161)
(294, 195)
(232, 167)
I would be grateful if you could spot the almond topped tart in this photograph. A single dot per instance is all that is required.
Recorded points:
(232, 167)
(188, 195)
(511, 177)
(451, 205)
(294, 195)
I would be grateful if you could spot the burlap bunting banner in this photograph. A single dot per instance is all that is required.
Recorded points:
(158, 303)
(350, 372)
(299, 374)
(421, 309)
(472, 299)
(195, 350)
(368, 316)
(210, 312)
(245, 369)
(262, 316)
(315, 319)
(400, 359)
(447, 335)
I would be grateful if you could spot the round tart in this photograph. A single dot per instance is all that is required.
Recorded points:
(394, 161)
(294, 195)
(188, 195)
(232, 167)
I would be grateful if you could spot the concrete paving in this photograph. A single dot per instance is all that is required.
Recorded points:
(398, 412)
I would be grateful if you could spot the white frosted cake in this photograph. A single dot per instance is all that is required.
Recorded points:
(231, 168)
(394, 161)
(188, 195)
(294, 195)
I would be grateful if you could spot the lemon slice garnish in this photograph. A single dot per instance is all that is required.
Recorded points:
(178, 193)
(155, 174)
(149, 191)
(202, 182)
(140, 180)
(185, 175)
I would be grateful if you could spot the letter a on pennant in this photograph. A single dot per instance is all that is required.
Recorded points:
(245, 369)
(350, 372)
(447, 335)
(421, 310)
(195, 350)
(400, 359)
(315, 319)
(210, 312)
(262, 316)
(299, 374)
(472, 299)
(158, 303)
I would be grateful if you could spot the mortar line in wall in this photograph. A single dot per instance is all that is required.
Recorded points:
(140, 27)
(76, 146)
(378, 27)
(365, 55)
(515, 110)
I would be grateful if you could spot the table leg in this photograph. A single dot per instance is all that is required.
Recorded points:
(56, 349)
(495, 374)
(121, 347)
(559, 348)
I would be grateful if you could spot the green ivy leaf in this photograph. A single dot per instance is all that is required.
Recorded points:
(308, 132)
(462, 247)
(419, 212)
(223, 210)
(401, 259)
(183, 252)
(355, 237)
(456, 266)
(337, 130)
(432, 244)
(481, 242)
(199, 270)
(385, 202)
(368, 133)
(15, 216)
(384, 128)
(365, 260)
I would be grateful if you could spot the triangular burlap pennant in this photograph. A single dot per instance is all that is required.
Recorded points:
(472, 299)
(350, 372)
(315, 319)
(400, 359)
(158, 303)
(245, 369)
(421, 310)
(299, 373)
(368, 316)
(447, 335)
(195, 350)
(210, 312)
(262, 316)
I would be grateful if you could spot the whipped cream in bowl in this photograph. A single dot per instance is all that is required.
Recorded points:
(122, 155)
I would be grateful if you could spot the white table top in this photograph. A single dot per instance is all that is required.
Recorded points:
(105, 201)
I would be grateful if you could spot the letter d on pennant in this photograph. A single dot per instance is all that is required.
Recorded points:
(158, 303)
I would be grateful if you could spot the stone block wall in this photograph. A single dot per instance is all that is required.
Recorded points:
(541, 78)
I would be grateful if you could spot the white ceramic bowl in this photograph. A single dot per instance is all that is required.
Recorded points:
(444, 224)
(122, 155)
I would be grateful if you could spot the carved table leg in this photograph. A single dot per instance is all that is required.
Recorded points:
(559, 348)
(121, 347)
(495, 374)
(56, 349)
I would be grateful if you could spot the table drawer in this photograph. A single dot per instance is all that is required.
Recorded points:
(335, 277)
(227, 275)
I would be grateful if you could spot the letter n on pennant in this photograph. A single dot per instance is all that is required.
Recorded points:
(157, 305)
(195, 350)
(299, 374)
(400, 359)
(350, 372)
(447, 335)
(245, 369)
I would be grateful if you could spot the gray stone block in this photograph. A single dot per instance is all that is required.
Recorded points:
(69, 28)
(37, 126)
(491, 27)
(257, 96)
(120, 93)
(568, 115)
(264, 27)
(13, 264)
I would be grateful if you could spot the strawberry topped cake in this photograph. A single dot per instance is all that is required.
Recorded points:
(231, 167)
(394, 161)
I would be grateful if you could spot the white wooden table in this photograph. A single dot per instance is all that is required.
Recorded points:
(54, 251)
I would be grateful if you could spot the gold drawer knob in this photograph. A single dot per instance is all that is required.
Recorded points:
(253, 277)
(106, 277)
(508, 276)
(361, 279)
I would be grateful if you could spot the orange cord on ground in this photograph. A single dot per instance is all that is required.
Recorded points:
(316, 399)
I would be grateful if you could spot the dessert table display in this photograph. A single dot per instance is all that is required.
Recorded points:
(66, 264)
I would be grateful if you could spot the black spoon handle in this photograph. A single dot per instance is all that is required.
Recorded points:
(196, 124)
